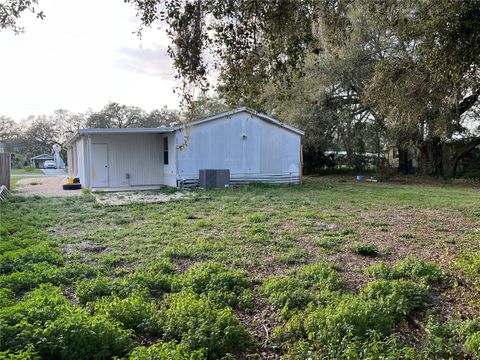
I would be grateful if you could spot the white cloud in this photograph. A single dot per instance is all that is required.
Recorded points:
(152, 61)
(82, 55)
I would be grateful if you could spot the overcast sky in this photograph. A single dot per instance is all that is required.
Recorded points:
(83, 55)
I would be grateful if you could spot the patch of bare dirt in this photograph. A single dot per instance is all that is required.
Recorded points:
(84, 246)
(126, 197)
(44, 186)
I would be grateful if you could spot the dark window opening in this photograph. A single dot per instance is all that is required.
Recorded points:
(165, 150)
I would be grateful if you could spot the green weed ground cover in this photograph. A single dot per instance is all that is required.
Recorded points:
(26, 170)
(322, 270)
(13, 181)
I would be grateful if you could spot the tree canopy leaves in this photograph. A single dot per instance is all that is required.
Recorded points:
(11, 10)
(408, 69)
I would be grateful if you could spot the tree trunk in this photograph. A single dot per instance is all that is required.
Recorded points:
(431, 157)
(403, 161)
(441, 159)
(449, 167)
(453, 152)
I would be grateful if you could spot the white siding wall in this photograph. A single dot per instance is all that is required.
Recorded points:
(170, 170)
(269, 153)
(79, 160)
(140, 155)
(71, 161)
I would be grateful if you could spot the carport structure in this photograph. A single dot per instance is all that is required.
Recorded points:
(39, 160)
(118, 158)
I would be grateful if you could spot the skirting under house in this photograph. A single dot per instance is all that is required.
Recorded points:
(254, 147)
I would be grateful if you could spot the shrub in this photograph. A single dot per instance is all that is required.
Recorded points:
(346, 325)
(286, 292)
(365, 249)
(418, 270)
(378, 347)
(381, 271)
(257, 218)
(34, 274)
(304, 285)
(25, 354)
(163, 266)
(321, 276)
(134, 312)
(7, 297)
(178, 252)
(42, 304)
(426, 271)
(328, 243)
(46, 303)
(155, 281)
(167, 350)
(292, 256)
(452, 339)
(442, 340)
(470, 264)
(472, 174)
(77, 335)
(109, 261)
(57, 329)
(470, 332)
(74, 271)
(399, 297)
(301, 350)
(472, 344)
(293, 330)
(89, 290)
(156, 278)
(13, 243)
(352, 318)
(18, 260)
(224, 286)
(407, 235)
(196, 321)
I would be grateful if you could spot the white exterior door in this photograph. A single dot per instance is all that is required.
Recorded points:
(99, 165)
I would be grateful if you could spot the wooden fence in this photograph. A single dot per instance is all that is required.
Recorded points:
(5, 165)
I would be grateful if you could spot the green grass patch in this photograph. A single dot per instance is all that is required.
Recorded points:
(255, 271)
(417, 270)
(364, 249)
(26, 170)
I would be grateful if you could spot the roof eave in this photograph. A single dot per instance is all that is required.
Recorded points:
(71, 139)
(107, 131)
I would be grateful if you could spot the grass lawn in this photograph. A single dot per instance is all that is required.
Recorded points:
(329, 269)
(26, 171)
(13, 181)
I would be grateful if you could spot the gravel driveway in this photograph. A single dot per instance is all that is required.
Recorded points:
(44, 186)
(55, 172)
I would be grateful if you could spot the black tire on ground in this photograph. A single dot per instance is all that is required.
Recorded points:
(71, 186)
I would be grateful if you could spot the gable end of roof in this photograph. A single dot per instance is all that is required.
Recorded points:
(260, 115)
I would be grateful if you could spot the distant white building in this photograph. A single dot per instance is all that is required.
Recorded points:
(253, 146)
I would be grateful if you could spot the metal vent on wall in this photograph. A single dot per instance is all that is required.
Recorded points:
(214, 178)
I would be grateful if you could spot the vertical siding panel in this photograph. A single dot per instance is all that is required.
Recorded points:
(170, 170)
(140, 155)
(269, 153)
(80, 150)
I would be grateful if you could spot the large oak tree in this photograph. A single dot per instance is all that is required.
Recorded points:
(423, 58)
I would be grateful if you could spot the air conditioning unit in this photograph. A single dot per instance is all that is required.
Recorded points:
(214, 178)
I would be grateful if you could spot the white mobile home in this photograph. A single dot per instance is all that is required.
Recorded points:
(253, 146)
